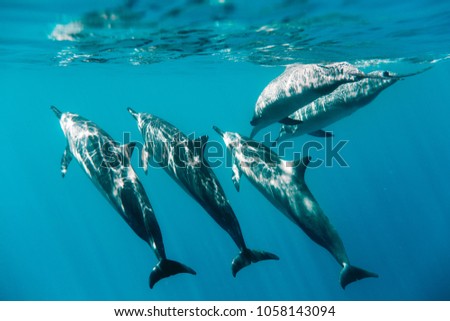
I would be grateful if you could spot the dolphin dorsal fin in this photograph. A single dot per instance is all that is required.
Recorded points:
(198, 144)
(129, 149)
(203, 139)
(298, 166)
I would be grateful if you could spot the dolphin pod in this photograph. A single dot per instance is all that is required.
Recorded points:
(304, 99)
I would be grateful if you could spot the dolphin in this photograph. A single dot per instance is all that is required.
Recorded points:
(107, 164)
(340, 103)
(182, 158)
(297, 86)
(283, 184)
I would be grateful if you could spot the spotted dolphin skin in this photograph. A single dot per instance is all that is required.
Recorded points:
(283, 184)
(297, 86)
(182, 158)
(107, 164)
(342, 102)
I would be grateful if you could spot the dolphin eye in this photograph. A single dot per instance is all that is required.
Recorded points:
(386, 74)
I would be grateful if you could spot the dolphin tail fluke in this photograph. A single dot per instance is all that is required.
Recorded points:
(166, 268)
(247, 256)
(351, 274)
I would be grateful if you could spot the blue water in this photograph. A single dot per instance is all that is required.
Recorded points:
(204, 63)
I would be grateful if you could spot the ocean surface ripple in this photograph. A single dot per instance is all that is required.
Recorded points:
(277, 32)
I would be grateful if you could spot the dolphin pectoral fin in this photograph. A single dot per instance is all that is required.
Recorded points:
(166, 268)
(236, 182)
(236, 177)
(65, 161)
(247, 256)
(321, 133)
(351, 274)
(290, 121)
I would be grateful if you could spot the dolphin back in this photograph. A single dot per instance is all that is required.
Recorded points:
(166, 268)
(247, 257)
